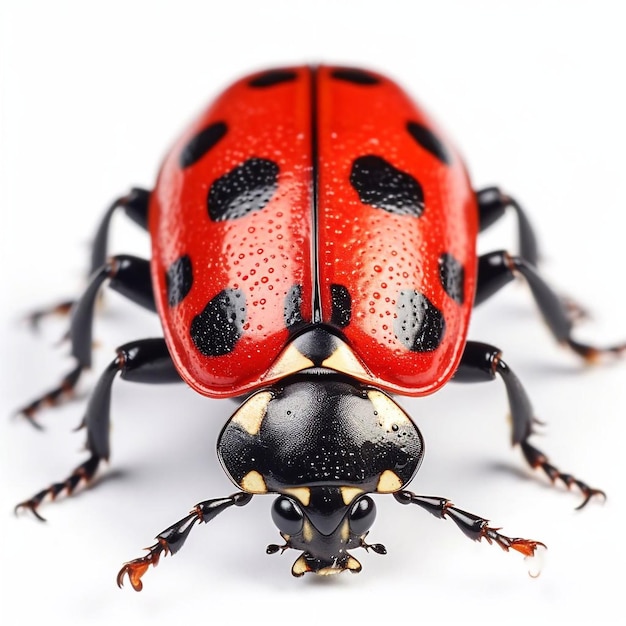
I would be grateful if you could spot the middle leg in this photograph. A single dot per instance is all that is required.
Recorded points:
(145, 361)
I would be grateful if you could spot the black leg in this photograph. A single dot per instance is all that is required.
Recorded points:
(497, 269)
(492, 205)
(171, 540)
(472, 526)
(481, 362)
(145, 361)
(127, 275)
(135, 205)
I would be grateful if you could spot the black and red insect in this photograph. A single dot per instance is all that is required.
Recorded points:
(313, 251)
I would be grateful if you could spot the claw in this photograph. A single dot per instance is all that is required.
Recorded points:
(28, 414)
(593, 355)
(136, 568)
(81, 474)
(64, 390)
(61, 308)
(529, 548)
(32, 506)
(589, 493)
(537, 459)
(526, 547)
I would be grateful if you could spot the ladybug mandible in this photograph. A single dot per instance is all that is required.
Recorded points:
(314, 251)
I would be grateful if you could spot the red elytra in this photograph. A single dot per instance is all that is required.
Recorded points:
(309, 196)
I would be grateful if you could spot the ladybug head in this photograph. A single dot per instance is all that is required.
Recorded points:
(324, 529)
(323, 442)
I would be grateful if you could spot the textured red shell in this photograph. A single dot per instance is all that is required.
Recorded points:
(307, 196)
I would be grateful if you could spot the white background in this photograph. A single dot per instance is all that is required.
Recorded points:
(92, 95)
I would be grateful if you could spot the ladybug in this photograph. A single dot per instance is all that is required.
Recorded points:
(313, 253)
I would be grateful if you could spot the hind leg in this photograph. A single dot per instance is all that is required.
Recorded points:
(493, 204)
(127, 275)
(497, 269)
(135, 206)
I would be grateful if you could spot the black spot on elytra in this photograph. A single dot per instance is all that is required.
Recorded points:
(419, 324)
(217, 329)
(271, 78)
(383, 186)
(341, 305)
(429, 141)
(246, 188)
(352, 75)
(201, 143)
(292, 312)
(452, 277)
(178, 279)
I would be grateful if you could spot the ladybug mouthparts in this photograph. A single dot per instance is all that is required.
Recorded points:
(313, 528)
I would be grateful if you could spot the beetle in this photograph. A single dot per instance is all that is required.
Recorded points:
(314, 254)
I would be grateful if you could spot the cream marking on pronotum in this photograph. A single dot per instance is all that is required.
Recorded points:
(250, 415)
(388, 482)
(253, 482)
(391, 416)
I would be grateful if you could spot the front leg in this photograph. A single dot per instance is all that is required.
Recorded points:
(472, 526)
(171, 540)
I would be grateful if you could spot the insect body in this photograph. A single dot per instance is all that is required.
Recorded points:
(313, 249)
